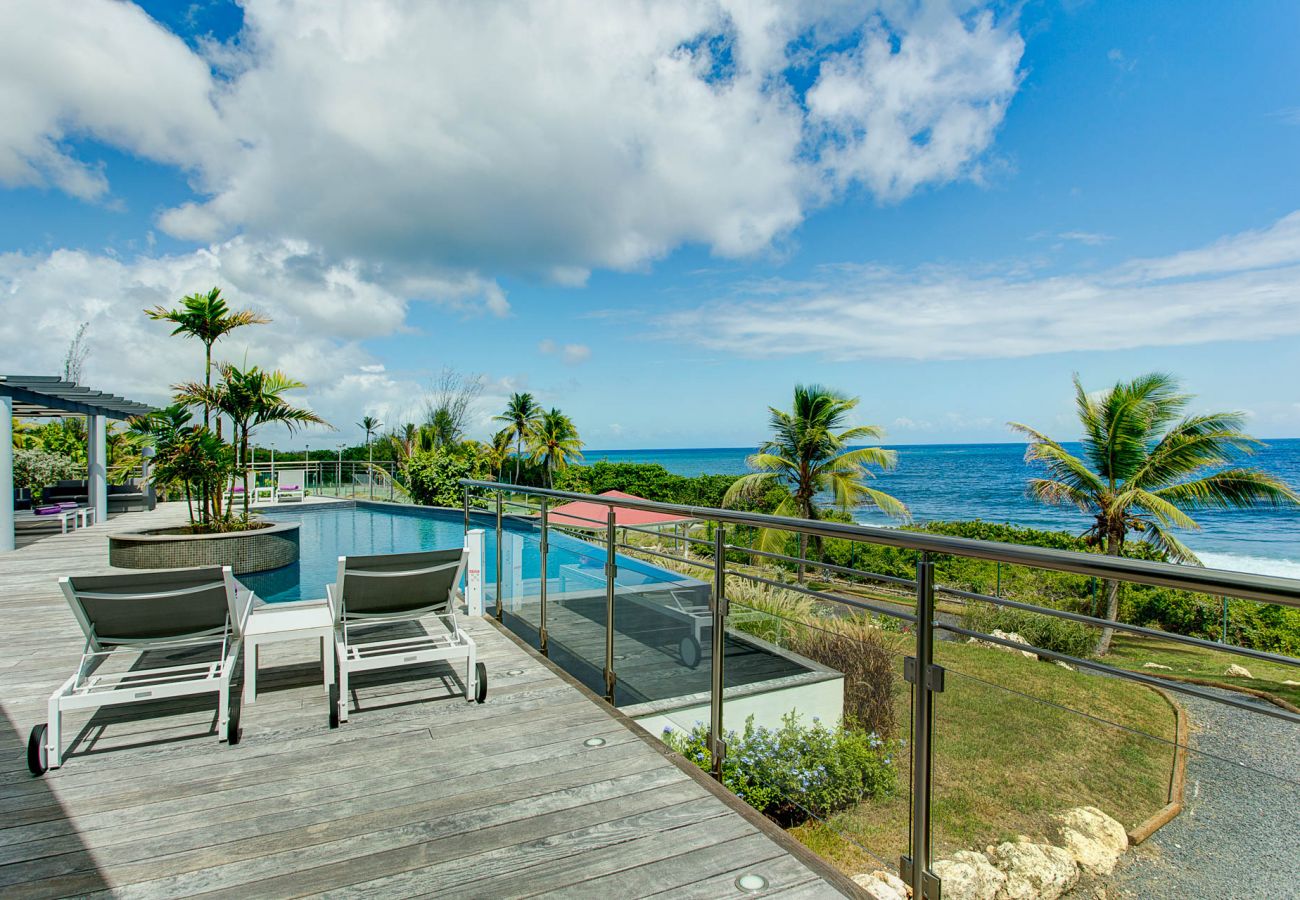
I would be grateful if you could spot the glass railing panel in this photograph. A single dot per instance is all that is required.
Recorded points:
(663, 624)
(816, 713)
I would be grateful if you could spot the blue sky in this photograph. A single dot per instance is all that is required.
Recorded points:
(662, 242)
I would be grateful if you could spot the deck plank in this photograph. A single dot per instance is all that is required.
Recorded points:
(420, 793)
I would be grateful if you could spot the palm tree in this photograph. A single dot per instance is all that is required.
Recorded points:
(555, 442)
(521, 416)
(1144, 464)
(496, 453)
(251, 397)
(809, 454)
(208, 318)
(370, 425)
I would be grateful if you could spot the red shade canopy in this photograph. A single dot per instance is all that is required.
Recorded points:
(585, 514)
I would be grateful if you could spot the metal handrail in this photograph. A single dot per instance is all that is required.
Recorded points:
(925, 676)
(1245, 586)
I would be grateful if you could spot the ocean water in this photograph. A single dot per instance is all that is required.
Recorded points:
(987, 481)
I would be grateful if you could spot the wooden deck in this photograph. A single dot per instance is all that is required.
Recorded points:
(420, 793)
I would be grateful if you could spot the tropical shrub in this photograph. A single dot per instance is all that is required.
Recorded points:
(1047, 632)
(34, 469)
(433, 478)
(796, 771)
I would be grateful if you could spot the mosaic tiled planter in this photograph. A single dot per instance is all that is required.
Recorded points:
(244, 551)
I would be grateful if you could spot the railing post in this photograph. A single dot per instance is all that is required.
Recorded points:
(926, 679)
(717, 746)
(500, 541)
(543, 546)
(467, 510)
(611, 572)
(1223, 632)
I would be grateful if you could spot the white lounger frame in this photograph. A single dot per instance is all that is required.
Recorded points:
(86, 690)
(414, 651)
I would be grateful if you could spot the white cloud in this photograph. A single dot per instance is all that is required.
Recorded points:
(548, 138)
(923, 111)
(1087, 238)
(320, 312)
(858, 312)
(102, 70)
(570, 353)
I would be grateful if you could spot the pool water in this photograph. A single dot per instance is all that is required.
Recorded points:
(327, 533)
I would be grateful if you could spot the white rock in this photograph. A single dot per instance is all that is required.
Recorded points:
(1034, 871)
(1006, 636)
(1157, 666)
(882, 886)
(1065, 665)
(1292, 683)
(1238, 671)
(1094, 839)
(969, 876)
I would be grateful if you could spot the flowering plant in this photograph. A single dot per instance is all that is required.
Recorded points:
(795, 771)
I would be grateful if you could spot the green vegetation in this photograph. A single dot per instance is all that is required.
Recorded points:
(1005, 763)
(1129, 651)
(433, 478)
(195, 459)
(797, 771)
(810, 454)
(35, 469)
(1145, 463)
(521, 416)
(555, 443)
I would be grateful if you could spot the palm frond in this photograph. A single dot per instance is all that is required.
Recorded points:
(1230, 489)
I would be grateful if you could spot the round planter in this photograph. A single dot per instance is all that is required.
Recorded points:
(244, 551)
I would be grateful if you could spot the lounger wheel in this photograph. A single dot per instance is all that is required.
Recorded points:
(334, 706)
(233, 731)
(480, 682)
(690, 652)
(37, 755)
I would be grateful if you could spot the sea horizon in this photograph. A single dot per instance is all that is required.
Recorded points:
(986, 480)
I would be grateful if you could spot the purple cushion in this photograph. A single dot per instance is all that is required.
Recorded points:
(288, 487)
(238, 489)
(47, 510)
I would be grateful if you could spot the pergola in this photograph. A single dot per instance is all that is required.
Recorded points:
(45, 396)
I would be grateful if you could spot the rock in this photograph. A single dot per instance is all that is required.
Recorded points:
(1034, 871)
(1065, 665)
(1092, 838)
(969, 876)
(1292, 683)
(1006, 636)
(1157, 666)
(1237, 671)
(883, 886)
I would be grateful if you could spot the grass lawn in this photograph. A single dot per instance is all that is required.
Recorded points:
(1003, 763)
(1131, 651)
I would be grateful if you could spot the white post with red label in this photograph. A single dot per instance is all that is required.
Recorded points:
(474, 556)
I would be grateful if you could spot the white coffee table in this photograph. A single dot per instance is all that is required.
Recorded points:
(86, 516)
(274, 622)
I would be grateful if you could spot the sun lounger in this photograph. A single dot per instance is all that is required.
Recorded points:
(394, 588)
(290, 485)
(169, 611)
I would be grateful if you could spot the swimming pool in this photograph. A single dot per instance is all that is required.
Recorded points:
(328, 532)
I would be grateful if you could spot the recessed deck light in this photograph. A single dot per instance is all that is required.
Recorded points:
(749, 882)
(594, 742)
(515, 672)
